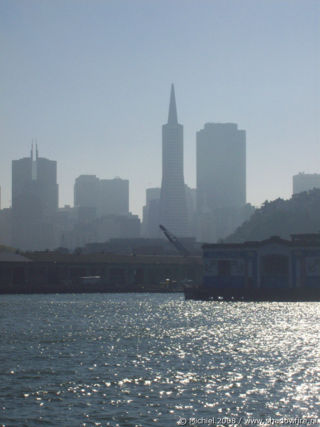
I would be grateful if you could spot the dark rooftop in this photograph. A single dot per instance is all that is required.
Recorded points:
(13, 257)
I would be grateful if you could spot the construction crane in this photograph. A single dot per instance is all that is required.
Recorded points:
(174, 240)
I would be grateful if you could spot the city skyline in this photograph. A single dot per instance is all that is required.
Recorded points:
(93, 88)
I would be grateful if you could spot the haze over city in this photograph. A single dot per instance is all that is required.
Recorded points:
(159, 212)
(90, 81)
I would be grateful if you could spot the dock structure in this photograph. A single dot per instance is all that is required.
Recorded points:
(53, 272)
(272, 269)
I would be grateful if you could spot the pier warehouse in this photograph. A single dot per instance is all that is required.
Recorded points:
(272, 269)
(51, 272)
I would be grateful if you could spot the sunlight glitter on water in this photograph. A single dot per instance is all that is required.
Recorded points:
(148, 359)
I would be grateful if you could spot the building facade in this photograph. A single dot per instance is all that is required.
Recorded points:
(94, 197)
(102, 207)
(86, 191)
(305, 182)
(113, 197)
(270, 269)
(150, 223)
(34, 202)
(221, 180)
(173, 206)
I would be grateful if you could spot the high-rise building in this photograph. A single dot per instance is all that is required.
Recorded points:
(39, 176)
(113, 197)
(34, 202)
(173, 206)
(102, 207)
(152, 194)
(191, 199)
(221, 179)
(86, 190)
(150, 225)
(94, 197)
(221, 166)
(305, 181)
(46, 177)
(22, 177)
(86, 197)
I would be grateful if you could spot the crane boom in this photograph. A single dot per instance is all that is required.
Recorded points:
(174, 240)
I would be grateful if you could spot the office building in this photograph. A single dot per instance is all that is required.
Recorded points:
(95, 198)
(221, 166)
(305, 181)
(221, 180)
(86, 191)
(150, 223)
(86, 197)
(191, 200)
(113, 197)
(34, 202)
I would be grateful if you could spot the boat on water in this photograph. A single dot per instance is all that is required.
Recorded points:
(90, 280)
(274, 269)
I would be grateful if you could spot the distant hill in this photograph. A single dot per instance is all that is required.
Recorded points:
(300, 214)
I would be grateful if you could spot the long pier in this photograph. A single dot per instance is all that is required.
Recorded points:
(51, 272)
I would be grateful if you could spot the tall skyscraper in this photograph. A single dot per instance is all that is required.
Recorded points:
(34, 201)
(221, 179)
(173, 207)
(46, 177)
(221, 166)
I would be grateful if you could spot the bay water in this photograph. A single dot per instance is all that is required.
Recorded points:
(155, 359)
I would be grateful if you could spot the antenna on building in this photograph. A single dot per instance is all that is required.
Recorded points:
(31, 151)
(37, 152)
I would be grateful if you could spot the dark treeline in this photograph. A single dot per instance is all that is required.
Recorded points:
(300, 214)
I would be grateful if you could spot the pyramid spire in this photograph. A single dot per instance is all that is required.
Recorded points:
(172, 117)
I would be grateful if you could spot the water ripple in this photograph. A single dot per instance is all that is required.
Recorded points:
(148, 359)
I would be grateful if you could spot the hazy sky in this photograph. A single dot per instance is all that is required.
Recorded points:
(90, 80)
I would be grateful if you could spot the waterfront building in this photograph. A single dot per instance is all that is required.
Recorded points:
(59, 271)
(173, 206)
(272, 269)
(305, 182)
